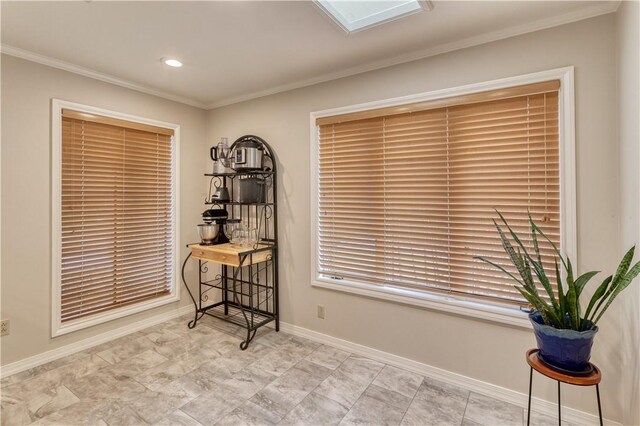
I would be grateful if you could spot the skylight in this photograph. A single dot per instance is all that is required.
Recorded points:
(356, 15)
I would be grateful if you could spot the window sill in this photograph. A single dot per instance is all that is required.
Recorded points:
(473, 310)
(92, 320)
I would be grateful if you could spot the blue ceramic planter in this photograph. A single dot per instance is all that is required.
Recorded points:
(566, 349)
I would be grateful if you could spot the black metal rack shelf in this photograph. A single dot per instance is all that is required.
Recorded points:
(236, 315)
(235, 203)
(247, 293)
(243, 173)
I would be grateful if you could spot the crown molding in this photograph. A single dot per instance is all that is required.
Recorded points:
(96, 75)
(554, 21)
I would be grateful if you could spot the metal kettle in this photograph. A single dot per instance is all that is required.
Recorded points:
(247, 154)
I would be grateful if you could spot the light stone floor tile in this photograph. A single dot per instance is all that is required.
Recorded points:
(117, 413)
(301, 346)
(315, 409)
(212, 406)
(85, 366)
(270, 338)
(371, 411)
(42, 404)
(250, 414)
(284, 393)
(342, 389)
(178, 418)
(169, 374)
(85, 412)
(539, 419)
(133, 366)
(314, 369)
(103, 384)
(126, 350)
(387, 396)
(437, 403)
(156, 377)
(397, 380)
(489, 411)
(152, 406)
(33, 372)
(360, 369)
(247, 382)
(280, 361)
(328, 356)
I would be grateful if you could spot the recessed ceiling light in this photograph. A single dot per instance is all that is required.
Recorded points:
(172, 62)
(358, 15)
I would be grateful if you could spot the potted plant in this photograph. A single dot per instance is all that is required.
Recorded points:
(564, 334)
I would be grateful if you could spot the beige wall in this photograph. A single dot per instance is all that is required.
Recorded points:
(27, 89)
(485, 351)
(628, 52)
(482, 350)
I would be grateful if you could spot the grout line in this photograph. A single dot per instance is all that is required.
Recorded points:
(187, 414)
(323, 380)
(464, 413)
(412, 399)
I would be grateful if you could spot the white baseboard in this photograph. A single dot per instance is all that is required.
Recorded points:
(571, 415)
(52, 355)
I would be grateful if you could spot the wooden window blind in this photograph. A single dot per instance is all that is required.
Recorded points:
(117, 218)
(406, 199)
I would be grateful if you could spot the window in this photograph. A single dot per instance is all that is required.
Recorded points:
(359, 15)
(114, 216)
(406, 193)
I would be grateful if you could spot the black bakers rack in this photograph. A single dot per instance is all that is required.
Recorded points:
(248, 293)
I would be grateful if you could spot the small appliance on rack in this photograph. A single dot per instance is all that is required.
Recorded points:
(247, 154)
(211, 232)
(221, 156)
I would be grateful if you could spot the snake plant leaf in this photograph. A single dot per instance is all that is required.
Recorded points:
(548, 316)
(539, 231)
(542, 277)
(624, 282)
(582, 281)
(516, 259)
(513, 234)
(527, 268)
(597, 295)
(562, 303)
(625, 263)
(527, 277)
(615, 282)
(495, 265)
(534, 239)
(573, 307)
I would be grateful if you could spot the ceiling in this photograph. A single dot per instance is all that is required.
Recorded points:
(237, 50)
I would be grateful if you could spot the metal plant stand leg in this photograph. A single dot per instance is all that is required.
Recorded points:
(559, 406)
(599, 407)
(529, 405)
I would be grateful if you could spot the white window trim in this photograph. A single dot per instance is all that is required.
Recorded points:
(450, 303)
(57, 328)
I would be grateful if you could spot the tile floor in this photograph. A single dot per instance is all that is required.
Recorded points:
(170, 375)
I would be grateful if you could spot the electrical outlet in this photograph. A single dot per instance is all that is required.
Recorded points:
(5, 327)
(321, 311)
